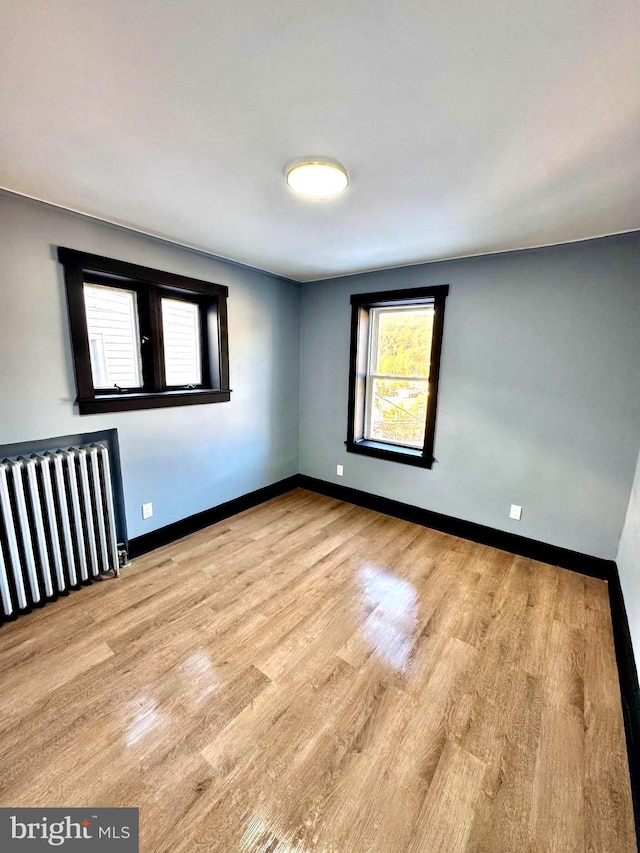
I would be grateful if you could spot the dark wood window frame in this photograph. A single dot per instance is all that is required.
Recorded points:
(361, 305)
(150, 286)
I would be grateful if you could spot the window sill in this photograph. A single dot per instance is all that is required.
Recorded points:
(128, 402)
(391, 452)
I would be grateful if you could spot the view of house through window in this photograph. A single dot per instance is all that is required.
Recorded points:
(144, 338)
(398, 375)
(114, 337)
(181, 336)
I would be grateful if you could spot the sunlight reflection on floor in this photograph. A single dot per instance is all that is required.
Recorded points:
(391, 628)
(201, 675)
(147, 720)
(260, 837)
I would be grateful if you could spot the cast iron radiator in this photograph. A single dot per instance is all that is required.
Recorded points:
(57, 525)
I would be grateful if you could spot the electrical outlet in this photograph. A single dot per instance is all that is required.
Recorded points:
(147, 510)
(340, 470)
(516, 512)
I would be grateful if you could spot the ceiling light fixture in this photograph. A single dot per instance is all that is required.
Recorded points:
(317, 177)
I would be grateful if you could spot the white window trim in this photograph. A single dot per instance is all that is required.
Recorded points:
(372, 376)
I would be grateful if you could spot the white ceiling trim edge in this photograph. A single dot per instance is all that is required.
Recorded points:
(207, 253)
(448, 258)
(154, 236)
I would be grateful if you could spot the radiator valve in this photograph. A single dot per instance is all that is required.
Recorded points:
(123, 558)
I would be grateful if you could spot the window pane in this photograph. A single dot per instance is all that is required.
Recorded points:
(402, 344)
(114, 337)
(181, 330)
(397, 411)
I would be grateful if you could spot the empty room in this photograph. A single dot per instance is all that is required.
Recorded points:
(320, 426)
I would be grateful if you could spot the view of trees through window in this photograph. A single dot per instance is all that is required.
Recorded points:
(397, 382)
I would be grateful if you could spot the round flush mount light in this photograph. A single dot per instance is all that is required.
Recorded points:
(317, 177)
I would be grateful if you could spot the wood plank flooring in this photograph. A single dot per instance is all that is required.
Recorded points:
(313, 677)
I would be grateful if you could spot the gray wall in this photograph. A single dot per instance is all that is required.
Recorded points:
(539, 400)
(185, 459)
(628, 560)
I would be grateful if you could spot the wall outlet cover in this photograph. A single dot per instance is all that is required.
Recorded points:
(516, 512)
(147, 510)
(340, 470)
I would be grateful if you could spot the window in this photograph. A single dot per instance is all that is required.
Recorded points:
(143, 338)
(114, 336)
(396, 339)
(181, 339)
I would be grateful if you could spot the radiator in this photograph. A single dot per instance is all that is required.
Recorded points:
(57, 525)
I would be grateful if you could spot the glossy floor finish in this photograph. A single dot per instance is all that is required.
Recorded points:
(313, 676)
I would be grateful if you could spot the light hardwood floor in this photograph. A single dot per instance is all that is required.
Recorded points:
(313, 676)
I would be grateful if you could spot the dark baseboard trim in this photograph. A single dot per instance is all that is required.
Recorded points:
(171, 532)
(584, 563)
(552, 554)
(629, 688)
(595, 567)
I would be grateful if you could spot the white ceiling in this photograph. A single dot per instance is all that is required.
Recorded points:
(467, 127)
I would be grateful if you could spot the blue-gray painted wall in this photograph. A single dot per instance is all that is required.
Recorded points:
(186, 459)
(539, 401)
